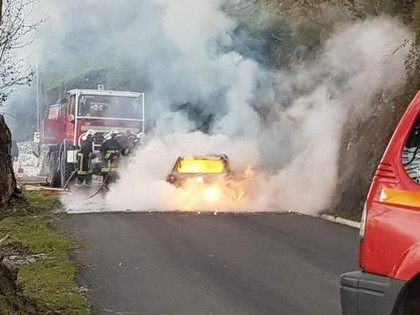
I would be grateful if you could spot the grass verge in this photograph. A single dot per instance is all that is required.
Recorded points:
(48, 285)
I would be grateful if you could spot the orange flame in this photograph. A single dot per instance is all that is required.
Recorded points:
(220, 195)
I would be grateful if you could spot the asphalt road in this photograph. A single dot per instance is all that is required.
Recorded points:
(137, 263)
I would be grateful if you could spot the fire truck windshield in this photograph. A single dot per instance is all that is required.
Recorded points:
(102, 106)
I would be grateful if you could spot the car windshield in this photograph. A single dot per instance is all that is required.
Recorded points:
(201, 166)
(109, 107)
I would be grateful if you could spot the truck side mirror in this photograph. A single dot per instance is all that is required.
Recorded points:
(71, 118)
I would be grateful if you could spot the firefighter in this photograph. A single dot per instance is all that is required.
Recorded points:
(140, 139)
(111, 151)
(127, 141)
(84, 159)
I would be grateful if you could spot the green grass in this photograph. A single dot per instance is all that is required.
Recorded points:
(48, 284)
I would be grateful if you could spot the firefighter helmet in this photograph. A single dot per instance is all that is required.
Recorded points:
(113, 134)
(89, 134)
(140, 138)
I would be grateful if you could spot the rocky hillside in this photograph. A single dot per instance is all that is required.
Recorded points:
(364, 138)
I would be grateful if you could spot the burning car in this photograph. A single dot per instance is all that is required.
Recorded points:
(207, 178)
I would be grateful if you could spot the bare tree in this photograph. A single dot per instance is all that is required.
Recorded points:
(15, 31)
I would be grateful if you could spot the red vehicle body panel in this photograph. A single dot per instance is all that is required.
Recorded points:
(52, 131)
(62, 123)
(69, 118)
(391, 244)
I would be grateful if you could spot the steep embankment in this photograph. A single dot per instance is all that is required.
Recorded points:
(365, 137)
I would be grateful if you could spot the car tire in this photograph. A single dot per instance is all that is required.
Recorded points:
(66, 169)
(54, 176)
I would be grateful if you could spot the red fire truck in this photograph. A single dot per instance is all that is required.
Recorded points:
(389, 280)
(82, 110)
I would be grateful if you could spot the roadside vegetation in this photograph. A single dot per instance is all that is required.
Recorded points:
(46, 278)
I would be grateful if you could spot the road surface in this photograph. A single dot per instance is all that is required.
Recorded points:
(137, 263)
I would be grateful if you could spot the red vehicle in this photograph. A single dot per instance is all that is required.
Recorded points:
(82, 110)
(389, 280)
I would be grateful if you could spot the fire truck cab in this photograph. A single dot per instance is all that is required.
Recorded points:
(82, 110)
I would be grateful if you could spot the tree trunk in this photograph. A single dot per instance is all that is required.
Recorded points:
(7, 176)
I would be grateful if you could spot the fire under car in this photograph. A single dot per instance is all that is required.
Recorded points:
(207, 179)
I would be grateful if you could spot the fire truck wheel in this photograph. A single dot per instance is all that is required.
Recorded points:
(54, 178)
(66, 169)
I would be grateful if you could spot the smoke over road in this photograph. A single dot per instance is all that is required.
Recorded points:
(208, 93)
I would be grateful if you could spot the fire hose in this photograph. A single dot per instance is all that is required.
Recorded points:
(69, 179)
(105, 181)
(97, 192)
(104, 184)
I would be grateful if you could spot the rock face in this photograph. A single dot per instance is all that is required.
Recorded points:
(7, 176)
(363, 144)
(8, 277)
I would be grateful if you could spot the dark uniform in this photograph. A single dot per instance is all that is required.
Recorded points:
(115, 146)
(84, 159)
(111, 151)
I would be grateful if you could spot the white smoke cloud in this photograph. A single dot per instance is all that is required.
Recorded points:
(147, 173)
(345, 80)
(286, 125)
